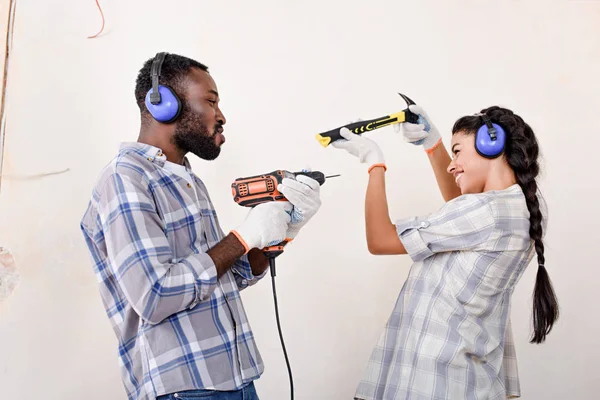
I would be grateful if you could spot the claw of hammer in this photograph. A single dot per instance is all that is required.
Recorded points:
(406, 99)
(414, 118)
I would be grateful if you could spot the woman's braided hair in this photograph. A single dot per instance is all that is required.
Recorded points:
(521, 152)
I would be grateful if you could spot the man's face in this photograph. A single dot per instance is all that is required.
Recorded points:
(199, 130)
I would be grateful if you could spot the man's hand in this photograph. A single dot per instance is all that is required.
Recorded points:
(424, 133)
(304, 194)
(265, 225)
(367, 151)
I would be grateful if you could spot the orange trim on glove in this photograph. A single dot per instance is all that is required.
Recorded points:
(432, 148)
(377, 165)
(242, 241)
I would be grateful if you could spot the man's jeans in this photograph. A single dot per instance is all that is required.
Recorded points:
(247, 393)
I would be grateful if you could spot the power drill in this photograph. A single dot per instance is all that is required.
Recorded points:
(254, 190)
(257, 189)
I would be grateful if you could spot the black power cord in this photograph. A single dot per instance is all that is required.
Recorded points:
(287, 361)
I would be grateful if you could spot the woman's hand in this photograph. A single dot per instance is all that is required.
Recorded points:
(424, 132)
(367, 151)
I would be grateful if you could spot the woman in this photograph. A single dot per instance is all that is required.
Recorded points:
(449, 335)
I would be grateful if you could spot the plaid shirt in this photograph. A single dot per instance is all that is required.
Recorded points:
(178, 327)
(449, 335)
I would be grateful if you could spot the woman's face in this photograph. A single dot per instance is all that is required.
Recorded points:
(470, 170)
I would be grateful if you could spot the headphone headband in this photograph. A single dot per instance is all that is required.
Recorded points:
(155, 74)
(161, 101)
(491, 129)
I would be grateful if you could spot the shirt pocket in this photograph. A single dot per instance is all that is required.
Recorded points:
(485, 275)
(184, 230)
(211, 230)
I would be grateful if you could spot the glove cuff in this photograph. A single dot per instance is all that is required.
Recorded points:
(292, 232)
(377, 165)
(242, 241)
(431, 149)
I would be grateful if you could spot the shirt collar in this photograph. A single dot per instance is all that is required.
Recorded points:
(151, 153)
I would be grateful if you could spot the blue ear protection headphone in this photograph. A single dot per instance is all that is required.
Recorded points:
(490, 138)
(162, 101)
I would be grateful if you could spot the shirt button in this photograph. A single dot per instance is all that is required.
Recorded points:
(189, 185)
(149, 158)
(159, 154)
(244, 281)
(176, 395)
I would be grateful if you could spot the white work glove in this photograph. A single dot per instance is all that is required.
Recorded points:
(424, 132)
(266, 224)
(304, 194)
(367, 151)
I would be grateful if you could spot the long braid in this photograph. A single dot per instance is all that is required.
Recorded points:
(522, 155)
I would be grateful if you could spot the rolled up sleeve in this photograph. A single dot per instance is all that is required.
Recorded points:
(242, 271)
(462, 224)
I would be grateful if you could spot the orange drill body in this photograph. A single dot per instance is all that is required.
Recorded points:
(254, 190)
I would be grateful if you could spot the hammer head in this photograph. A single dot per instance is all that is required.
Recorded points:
(406, 99)
(409, 115)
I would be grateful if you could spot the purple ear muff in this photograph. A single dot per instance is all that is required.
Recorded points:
(490, 138)
(161, 101)
(168, 107)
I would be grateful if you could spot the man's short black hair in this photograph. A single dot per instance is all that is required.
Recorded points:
(174, 70)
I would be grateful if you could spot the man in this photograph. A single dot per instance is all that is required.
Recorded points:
(169, 277)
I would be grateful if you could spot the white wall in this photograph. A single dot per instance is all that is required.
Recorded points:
(286, 72)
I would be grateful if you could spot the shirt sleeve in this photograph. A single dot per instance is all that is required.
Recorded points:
(242, 271)
(139, 253)
(462, 224)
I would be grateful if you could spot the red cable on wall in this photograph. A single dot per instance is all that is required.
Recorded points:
(101, 29)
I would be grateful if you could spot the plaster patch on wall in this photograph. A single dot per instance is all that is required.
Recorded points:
(9, 275)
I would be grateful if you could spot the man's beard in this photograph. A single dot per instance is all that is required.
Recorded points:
(191, 135)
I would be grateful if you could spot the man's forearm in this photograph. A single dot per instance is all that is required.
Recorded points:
(226, 252)
(230, 249)
(440, 159)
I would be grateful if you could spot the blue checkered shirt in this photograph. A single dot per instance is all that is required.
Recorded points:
(178, 327)
(449, 335)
